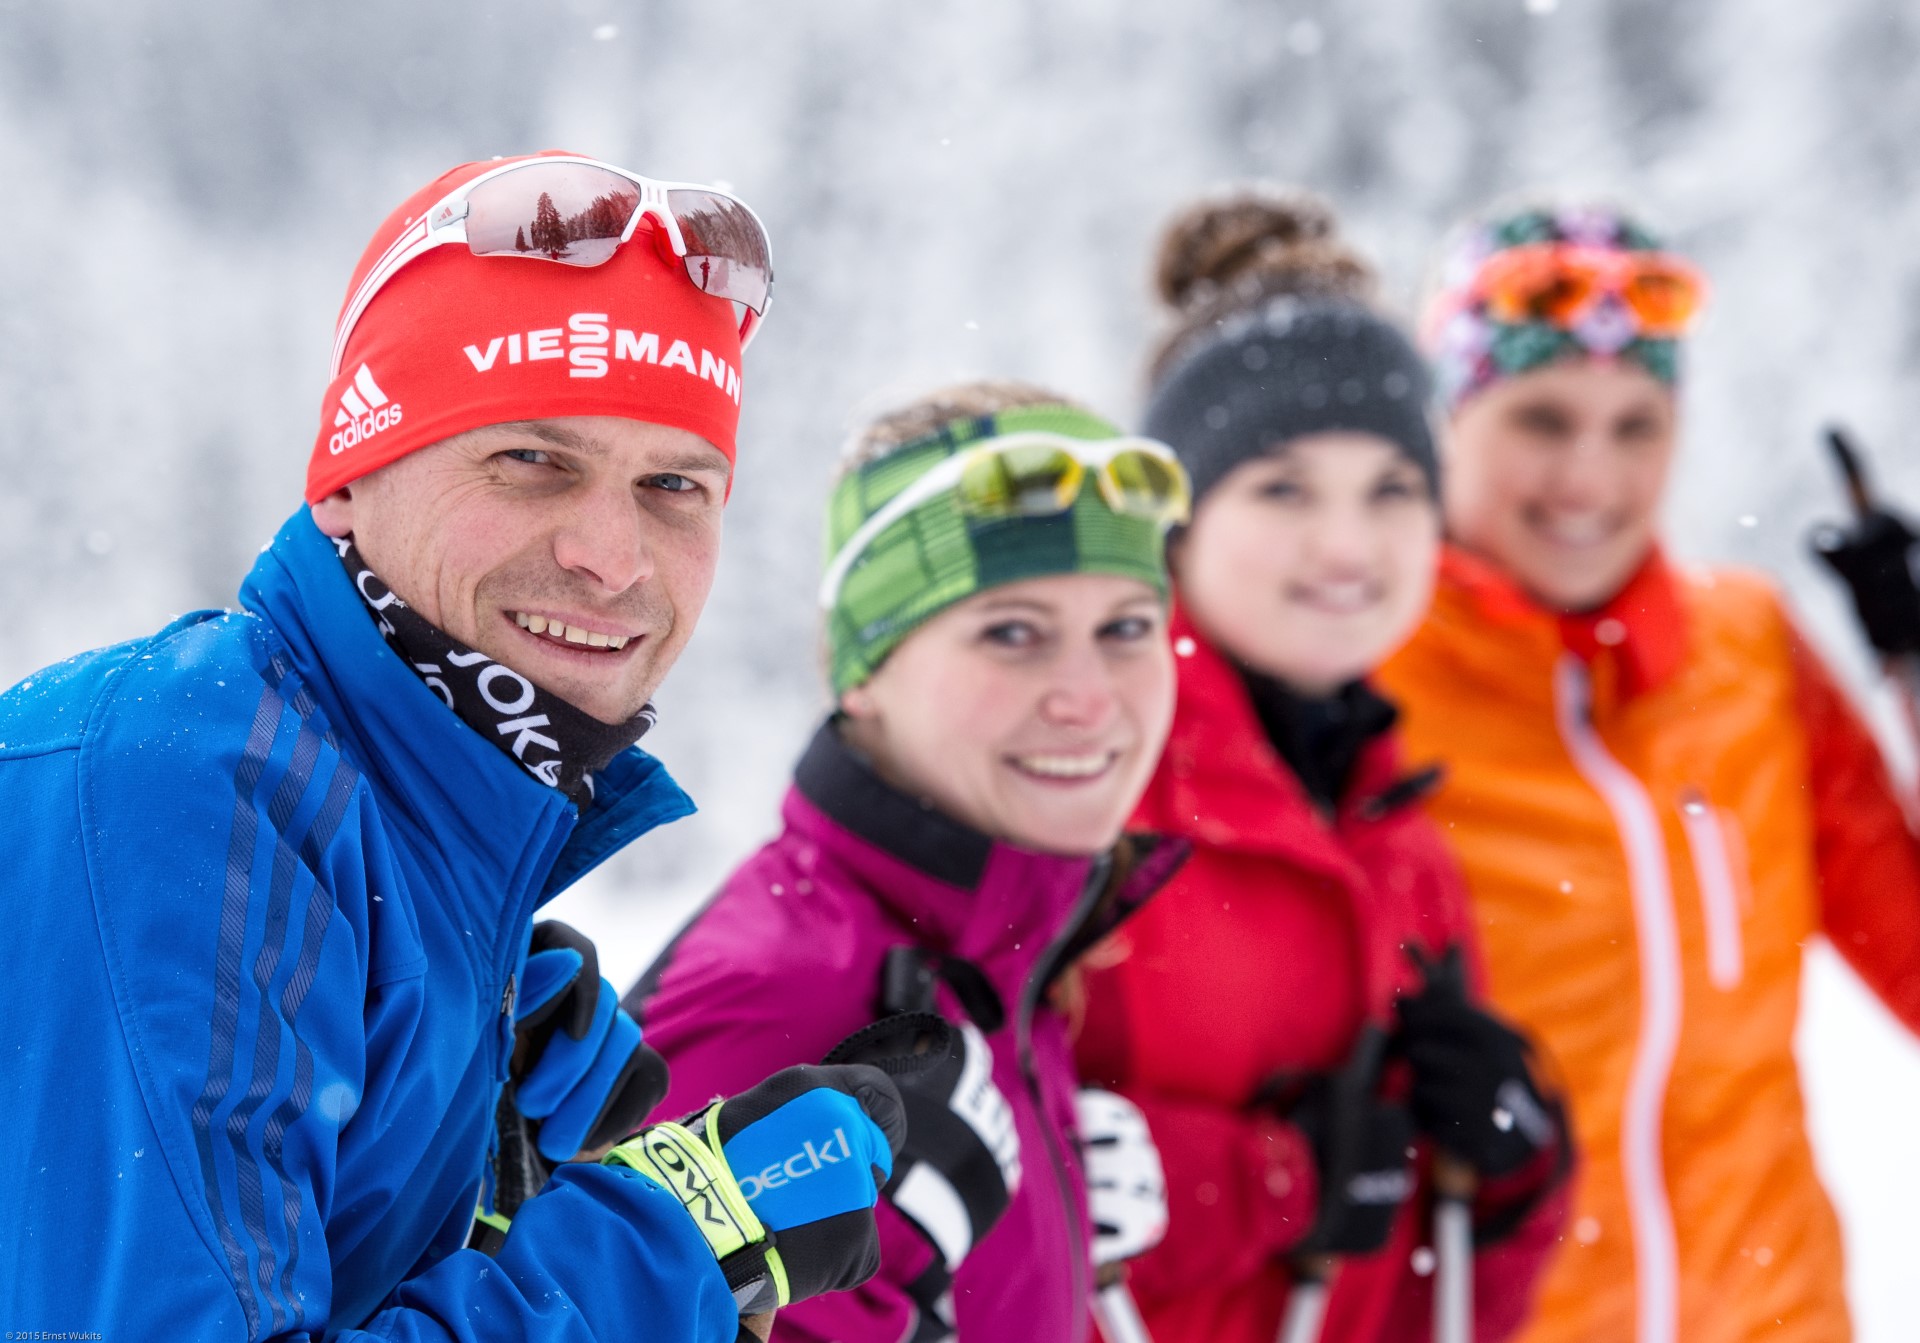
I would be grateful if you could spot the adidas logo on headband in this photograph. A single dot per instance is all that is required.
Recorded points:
(364, 411)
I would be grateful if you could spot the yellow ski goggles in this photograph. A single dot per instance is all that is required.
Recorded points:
(1032, 474)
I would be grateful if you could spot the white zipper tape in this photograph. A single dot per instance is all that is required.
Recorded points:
(1719, 895)
(1655, 1251)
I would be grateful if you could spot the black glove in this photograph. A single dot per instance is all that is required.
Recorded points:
(1474, 1091)
(782, 1179)
(1873, 557)
(1363, 1147)
(962, 1151)
(579, 1066)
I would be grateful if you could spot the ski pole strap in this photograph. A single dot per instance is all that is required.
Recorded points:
(519, 1171)
(910, 977)
(515, 1173)
(696, 1173)
(931, 1295)
(489, 1231)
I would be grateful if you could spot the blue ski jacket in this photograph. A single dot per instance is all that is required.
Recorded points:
(265, 900)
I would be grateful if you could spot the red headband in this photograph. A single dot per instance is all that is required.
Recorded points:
(455, 342)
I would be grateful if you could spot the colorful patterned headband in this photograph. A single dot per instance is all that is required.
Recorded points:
(1526, 290)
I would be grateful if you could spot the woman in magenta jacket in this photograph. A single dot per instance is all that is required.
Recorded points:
(996, 607)
(1295, 1014)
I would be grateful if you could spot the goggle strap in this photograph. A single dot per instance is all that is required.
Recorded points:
(405, 249)
(927, 486)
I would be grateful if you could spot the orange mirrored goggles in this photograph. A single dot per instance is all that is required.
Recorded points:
(1560, 283)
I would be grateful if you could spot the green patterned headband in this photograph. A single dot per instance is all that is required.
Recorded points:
(935, 555)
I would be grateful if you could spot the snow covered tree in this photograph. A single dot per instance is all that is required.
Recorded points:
(549, 233)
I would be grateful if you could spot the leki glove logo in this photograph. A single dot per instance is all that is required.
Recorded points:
(364, 411)
(831, 1152)
(589, 341)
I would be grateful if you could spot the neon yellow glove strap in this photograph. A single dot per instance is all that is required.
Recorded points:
(696, 1173)
(498, 1221)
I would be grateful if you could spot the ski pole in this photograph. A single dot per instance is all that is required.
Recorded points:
(1115, 1309)
(1851, 469)
(1307, 1302)
(1903, 668)
(1455, 1183)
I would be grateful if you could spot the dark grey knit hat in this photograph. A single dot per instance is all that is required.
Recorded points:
(1288, 368)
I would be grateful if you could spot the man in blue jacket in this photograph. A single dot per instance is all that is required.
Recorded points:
(271, 873)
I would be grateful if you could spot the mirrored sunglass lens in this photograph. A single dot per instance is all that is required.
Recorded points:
(1664, 299)
(1547, 295)
(1535, 284)
(568, 212)
(1020, 481)
(727, 252)
(1149, 485)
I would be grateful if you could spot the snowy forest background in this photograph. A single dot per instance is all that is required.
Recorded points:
(953, 188)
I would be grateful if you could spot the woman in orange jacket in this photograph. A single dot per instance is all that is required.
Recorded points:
(1656, 789)
(1293, 1012)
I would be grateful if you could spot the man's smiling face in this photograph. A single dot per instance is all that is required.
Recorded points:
(578, 551)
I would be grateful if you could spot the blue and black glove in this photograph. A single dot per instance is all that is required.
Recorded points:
(782, 1179)
(580, 1069)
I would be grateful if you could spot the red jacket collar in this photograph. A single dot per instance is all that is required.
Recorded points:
(1638, 639)
(1222, 784)
(1220, 779)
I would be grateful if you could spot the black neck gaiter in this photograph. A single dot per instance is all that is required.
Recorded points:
(558, 744)
(1320, 739)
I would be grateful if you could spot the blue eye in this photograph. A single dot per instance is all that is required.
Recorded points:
(531, 456)
(671, 483)
(1129, 629)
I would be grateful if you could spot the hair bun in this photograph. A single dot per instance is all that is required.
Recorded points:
(1251, 243)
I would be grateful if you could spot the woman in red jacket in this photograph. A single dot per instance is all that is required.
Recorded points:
(1293, 1012)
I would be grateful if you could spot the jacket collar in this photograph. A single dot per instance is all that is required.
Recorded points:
(1320, 739)
(962, 892)
(1635, 642)
(1221, 768)
(495, 827)
(1222, 781)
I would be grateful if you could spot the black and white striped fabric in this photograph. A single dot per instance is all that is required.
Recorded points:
(555, 742)
(961, 1164)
